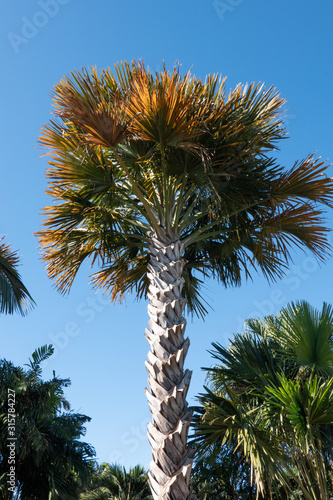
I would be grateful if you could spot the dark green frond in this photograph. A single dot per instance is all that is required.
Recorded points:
(13, 294)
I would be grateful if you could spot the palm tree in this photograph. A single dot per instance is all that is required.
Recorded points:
(13, 294)
(46, 450)
(223, 474)
(272, 398)
(162, 181)
(112, 482)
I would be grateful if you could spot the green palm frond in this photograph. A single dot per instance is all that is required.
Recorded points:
(230, 420)
(113, 482)
(100, 493)
(306, 336)
(308, 405)
(38, 356)
(247, 361)
(13, 294)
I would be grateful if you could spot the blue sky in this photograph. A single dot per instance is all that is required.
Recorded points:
(101, 347)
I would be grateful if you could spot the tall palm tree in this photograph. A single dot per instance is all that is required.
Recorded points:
(162, 181)
(271, 398)
(13, 294)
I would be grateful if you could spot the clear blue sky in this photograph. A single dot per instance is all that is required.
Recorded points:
(287, 44)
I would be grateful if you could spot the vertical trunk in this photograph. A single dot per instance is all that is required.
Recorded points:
(172, 460)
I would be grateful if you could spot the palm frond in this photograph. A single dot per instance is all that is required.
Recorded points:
(305, 335)
(14, 296)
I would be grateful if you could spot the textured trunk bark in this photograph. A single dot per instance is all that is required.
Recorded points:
(172, 460)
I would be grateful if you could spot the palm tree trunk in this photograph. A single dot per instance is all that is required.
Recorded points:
(172, 460)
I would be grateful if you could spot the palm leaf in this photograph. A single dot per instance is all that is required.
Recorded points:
(13, 294)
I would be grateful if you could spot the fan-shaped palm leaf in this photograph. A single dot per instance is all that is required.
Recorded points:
(306, 336)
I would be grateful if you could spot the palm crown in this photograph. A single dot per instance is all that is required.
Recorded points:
(135, 154)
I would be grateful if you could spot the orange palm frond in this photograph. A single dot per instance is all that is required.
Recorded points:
(80, 99)
(64, 256)
(161, 109)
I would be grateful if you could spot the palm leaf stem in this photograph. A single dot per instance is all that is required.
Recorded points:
(150, 215)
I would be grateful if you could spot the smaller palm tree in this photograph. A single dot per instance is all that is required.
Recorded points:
(113, 482)
(223, 474)
(271, 397)
(13, 294)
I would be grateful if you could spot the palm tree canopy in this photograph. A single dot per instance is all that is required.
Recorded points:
(137, 155)
(13, 294)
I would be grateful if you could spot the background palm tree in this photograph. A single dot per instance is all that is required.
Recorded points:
(272, 398)
(49, 455)
(13, 294)
(162, 181)
(113, 482)
(223, 474)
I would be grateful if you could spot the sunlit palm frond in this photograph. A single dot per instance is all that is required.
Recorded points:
(168, 109)
(84, 100)
(306, 336)
(305, 411)
(247, 361)
(228, 419)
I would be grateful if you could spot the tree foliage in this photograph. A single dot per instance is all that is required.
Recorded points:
(271, 399)
(49, 457)
(13, 294)
(113, 482)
